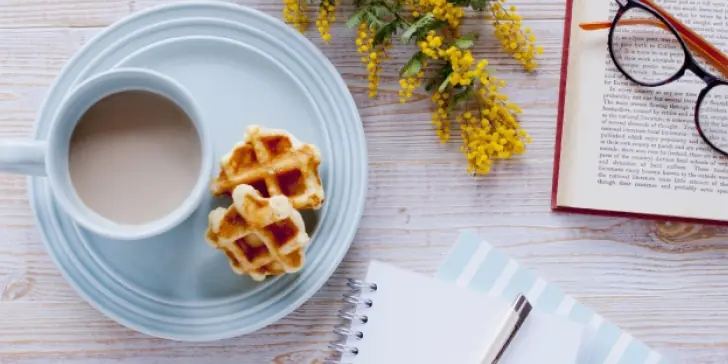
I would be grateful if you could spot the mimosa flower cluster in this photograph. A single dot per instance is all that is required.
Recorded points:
(467, 96)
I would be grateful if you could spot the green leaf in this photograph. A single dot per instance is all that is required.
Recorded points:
(356, 18)
(445, 71)
(442, 74)
(374, 22)
(466, 41)
(381, 11)
(460, 97)
(416, 26)
(436, 24)
(413, 66)
(395, 6)
(478, 5)
(430, 85)
(385, 32)
(444, 84)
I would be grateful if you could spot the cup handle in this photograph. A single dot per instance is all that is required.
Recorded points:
(23, 157)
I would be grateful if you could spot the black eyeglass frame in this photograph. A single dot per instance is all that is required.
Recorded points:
(689, 64)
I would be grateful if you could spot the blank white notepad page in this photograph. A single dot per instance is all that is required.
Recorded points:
(418, 319)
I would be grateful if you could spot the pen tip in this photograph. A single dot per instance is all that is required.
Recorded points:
(522, 303)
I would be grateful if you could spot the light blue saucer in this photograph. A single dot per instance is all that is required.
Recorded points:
(243, 67)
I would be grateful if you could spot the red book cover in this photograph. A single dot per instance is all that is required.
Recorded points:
(557, 150)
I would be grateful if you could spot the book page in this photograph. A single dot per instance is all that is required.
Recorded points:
(631, 148)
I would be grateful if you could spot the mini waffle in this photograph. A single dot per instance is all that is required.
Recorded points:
(260, 236)
(275, 163)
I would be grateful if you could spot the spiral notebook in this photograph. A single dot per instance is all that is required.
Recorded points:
(418, 319)
(398, 316)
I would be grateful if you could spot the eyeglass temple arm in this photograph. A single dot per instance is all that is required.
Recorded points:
(697, 43)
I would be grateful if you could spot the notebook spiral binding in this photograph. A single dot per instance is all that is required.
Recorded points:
(351, 315)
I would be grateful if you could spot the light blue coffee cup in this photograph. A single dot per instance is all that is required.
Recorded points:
(49, 158)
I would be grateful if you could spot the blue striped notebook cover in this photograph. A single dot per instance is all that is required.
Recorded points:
(475, 264)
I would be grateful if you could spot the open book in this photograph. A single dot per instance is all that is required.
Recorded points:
(630, 150)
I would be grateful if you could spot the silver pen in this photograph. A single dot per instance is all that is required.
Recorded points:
(507, 330)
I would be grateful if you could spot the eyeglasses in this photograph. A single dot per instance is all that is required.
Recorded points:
(652, 48)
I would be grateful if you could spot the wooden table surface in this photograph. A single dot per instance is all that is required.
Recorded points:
(665, 283)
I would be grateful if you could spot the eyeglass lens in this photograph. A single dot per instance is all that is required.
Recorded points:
(645, 48)
(713, 116)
